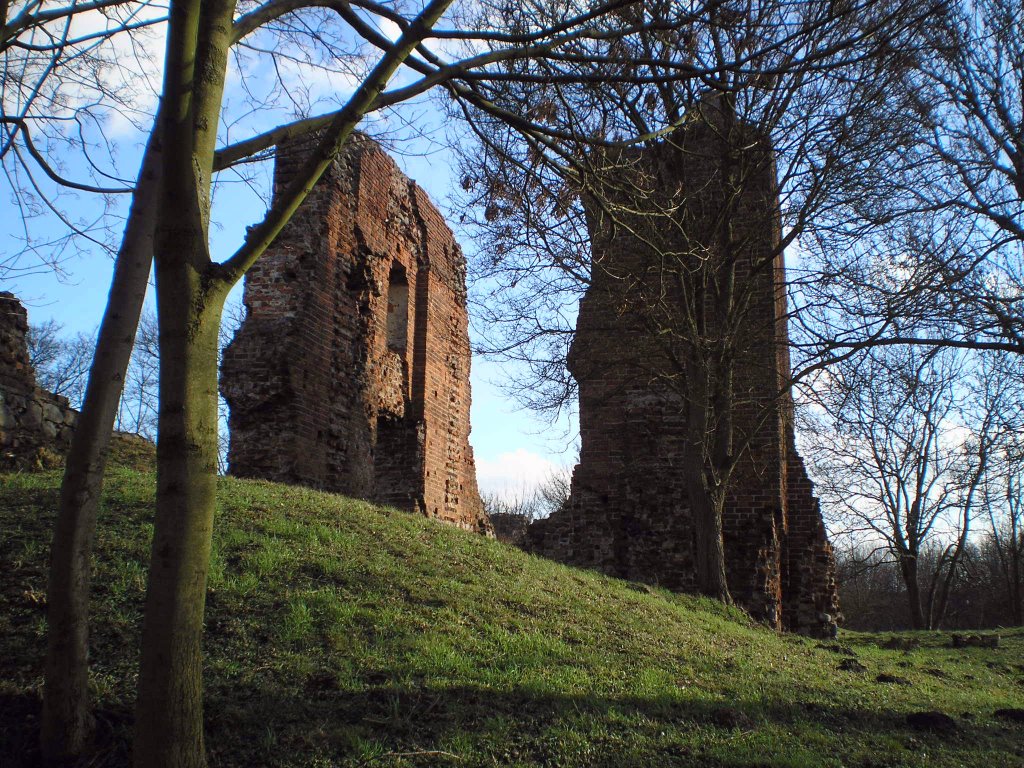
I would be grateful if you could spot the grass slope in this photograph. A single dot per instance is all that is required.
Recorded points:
(340, 634)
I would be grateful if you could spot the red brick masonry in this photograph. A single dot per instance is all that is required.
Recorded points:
(628, 513)
(351, 370)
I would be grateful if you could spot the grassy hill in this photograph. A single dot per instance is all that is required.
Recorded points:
(339, 634)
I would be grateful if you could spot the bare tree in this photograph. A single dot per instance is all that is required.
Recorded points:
(512, 511)
(62, 367)
(234, 317)
(65, 724)
(65, 70)
(796, 129)
(137, 411)
(1004, 509)
(943, 263)
(900, 451)
(44, 344)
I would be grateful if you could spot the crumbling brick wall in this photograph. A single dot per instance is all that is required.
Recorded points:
(809, 588)
(32, 420)
(632, 356)
(351, 370)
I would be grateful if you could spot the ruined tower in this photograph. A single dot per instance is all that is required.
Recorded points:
(687, 269)
(350, 372)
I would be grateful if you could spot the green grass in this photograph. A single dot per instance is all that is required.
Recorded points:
(339, 634)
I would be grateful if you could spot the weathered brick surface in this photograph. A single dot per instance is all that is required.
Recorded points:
(628, 513)
(351, 370)
(32, 420)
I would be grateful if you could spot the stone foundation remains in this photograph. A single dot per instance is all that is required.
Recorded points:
(632, 356)
(351, 370)
(35, 425)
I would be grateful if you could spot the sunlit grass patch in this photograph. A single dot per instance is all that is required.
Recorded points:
(338, 633)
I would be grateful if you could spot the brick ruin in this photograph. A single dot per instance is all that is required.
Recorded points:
(350, 372)
(628, 513)
(35, 425)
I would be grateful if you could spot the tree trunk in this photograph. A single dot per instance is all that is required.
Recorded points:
(190, 299)
(191, 290)
(704, 493)
(908, 567)
(710, 550)
(65, 726)
(1017, 583)
(945, 581)
(169, 722)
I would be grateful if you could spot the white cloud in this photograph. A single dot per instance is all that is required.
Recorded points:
(514, 474)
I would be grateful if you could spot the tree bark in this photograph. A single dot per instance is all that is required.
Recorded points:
(190, 299)
(705, 495)
(169, 722)
(66, 723)
(908, 567)
(710, 549)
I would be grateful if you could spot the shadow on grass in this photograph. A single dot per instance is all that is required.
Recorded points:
(395, 725)
(19, 734)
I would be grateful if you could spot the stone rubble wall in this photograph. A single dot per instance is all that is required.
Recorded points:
(351, 370)
(628, 513)
(32, 420)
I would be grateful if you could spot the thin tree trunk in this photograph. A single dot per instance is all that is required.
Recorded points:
(1017, 583)
(169, 707)
(169, 722)
(66, 721)
(946, 580)
(711, 396)
(706, 500)
(908, 567)
(1016, 552)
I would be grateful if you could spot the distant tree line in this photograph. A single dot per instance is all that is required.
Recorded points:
(985, 592)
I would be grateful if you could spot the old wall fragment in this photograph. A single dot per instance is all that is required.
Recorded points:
(35, 425)
(638, 369)
(351, 370)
